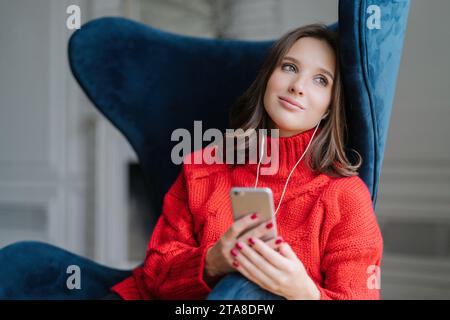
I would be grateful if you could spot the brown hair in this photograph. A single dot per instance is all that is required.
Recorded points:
(326, 153)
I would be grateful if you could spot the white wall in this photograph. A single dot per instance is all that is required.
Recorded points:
(51, 137)
(43, 172)
(269, 19)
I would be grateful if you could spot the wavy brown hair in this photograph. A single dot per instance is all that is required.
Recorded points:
(327, 151)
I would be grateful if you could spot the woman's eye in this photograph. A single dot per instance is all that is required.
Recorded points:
(288, 67)
(323, 81)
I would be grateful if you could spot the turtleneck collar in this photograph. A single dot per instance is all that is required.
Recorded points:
(290, 150)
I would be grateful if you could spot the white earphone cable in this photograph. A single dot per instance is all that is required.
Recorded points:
(287, 181)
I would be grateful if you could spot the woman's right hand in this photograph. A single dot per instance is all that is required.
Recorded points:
(219, 258)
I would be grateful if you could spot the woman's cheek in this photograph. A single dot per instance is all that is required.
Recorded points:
(321, 100)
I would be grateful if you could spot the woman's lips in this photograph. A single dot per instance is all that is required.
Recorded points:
(290, 104)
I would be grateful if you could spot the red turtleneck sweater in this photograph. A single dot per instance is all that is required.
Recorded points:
(329, 222)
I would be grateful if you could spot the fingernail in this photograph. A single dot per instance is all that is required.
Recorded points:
(233, 252)
(269, 225)
(254, 216)
(235, 263)
(238, 245)
(279, 240)
(251, 241)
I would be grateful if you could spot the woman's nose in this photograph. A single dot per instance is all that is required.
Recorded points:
(297, 86)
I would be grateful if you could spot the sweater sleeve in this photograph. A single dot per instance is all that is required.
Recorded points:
(353, 250)
(174, 263)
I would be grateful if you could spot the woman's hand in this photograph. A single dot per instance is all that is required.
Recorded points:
(219, 258)
(278, 271)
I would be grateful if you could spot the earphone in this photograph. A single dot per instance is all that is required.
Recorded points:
(287, 181)
(325, 115)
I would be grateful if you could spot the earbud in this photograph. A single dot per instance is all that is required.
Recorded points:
(325, 115)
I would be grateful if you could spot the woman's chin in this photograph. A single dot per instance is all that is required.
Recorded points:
(289, 127)
(287, 132)
(286, 123)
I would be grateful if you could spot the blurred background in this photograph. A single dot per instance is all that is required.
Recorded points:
(69, 178)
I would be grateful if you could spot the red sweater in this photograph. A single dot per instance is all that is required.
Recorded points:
(329, 222)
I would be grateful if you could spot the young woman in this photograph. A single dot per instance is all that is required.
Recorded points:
(329, 244)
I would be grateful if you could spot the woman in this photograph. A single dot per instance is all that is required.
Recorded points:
(329, 241)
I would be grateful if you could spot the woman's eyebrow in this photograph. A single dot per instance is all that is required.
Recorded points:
(321, 69)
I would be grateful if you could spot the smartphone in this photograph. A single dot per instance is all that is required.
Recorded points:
(249, 200)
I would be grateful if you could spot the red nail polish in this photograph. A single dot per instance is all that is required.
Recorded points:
(233, 252)
(254, 216)
(235, 264)
(269, 225)
(279, 240)
(238, 245)
(251, 241)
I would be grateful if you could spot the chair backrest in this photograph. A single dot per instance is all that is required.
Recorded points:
(148, 83)
(371, 50)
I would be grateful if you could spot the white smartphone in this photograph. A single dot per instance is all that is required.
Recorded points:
(250, 200)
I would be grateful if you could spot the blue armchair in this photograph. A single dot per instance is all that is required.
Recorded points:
(126, 69)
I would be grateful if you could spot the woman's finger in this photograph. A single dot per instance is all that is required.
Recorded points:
(265, 252)
(252, 271)
(286, 251)
(275, 243)
(264, 230)
(246, 222)
(256, 259)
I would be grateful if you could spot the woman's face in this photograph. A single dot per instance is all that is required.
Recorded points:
(305, 78)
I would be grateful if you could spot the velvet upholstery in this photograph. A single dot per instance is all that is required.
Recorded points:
(148, 82)
(370, 64)
(39, 271)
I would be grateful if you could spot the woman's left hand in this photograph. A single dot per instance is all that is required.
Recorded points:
(278, 271)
